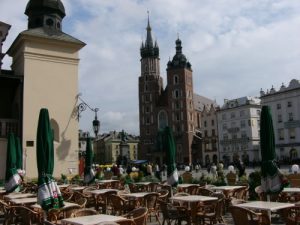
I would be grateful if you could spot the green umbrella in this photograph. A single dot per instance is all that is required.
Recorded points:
(49, 195)
(169, 145)
(12, 178)
(19, 157)
(271, 180)
(89, 174)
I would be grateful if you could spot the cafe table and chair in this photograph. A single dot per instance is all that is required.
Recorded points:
(23, 201)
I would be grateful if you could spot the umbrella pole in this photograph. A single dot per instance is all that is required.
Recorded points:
(269, 211)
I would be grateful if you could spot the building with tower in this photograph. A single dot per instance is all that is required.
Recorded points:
(161, 106)
(44, 74)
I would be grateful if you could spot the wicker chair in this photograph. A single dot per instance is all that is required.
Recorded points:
(46, 222)
(174, 213)
(67, 212)
(67, 195)
(150, 201)
(187, 177)
(204, 191)
(53, 215)
(139, 215)
(291, 215)
(102, 201)
(81, 202)
(192, 189)
(231, 178)
(4, 208)
(23, 215)
(84, 212)
(120, 205)
(248, 217)
(115, 184)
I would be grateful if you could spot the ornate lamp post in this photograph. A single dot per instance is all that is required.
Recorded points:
(82, 107)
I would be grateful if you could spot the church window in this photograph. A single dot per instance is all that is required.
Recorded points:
(162, 120)
(146, 87)
(176, 79)
(177, 105)
(147, 109)
(177, 117)
(147, 120)
(176, 93)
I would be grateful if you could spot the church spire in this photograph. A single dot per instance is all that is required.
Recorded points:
(149, 49)
(149, 40)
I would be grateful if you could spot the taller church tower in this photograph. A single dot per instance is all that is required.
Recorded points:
(150, 91)
(47, 59)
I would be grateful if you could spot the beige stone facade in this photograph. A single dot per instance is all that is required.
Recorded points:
(47, 61)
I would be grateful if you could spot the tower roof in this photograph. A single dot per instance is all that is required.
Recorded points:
(179, 60)
(148, 49)
(36, 6)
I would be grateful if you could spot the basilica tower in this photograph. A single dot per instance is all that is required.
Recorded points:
(150, 91)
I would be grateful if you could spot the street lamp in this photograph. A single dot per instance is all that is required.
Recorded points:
(96, 123)
(82, 107)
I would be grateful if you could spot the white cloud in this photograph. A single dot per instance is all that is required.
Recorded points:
(236, 47)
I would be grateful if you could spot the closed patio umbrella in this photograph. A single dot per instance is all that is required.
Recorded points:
(89, 174)
(170, 148)
(19, 157)
(12, 178)
(271, 179)
(49, 195)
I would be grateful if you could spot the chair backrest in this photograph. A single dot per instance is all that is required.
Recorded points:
(291, 215)
(117, 202)
(84, 212)
(25, 215)
(248, 217)
(139, 215)
(81, 202)
(231, 178)
(69, 210)
(108, 175)
(150, 200)
(294, 179)
(115, 184)
(133, 188)
(187, 177)
(163, 194)
(204, 191)
(192, 189)
(67, 195)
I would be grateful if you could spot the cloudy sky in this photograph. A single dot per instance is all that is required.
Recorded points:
(236, 47)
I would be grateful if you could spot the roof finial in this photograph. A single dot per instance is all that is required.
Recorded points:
(177, 35)
(148, 18)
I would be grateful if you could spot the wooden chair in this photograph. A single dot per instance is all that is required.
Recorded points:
(150, 201)
(192, 189)
(187, 177)
(291, 215)
(108, 175)
(81, 202)
(120, 205)
(53, 215)
(204, 191)
(248, 217)
(172, 213)
(294, 179)
(139, 215)
(4, 208)
(22, 215)
(69, 210)
(67, 195)
(102, 201)
(84, 212)
(231, 178)
(115, 184)
(133, 188)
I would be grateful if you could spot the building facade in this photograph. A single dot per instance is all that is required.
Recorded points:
(238, 130)
(44, 61)
(115, 147)
(161, 106)
(285, 108)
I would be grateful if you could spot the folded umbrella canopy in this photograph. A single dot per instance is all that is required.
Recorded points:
(12, 178)
(19, 157)
(49, 195)
(89, 174)
(170, 148)
(271, 179)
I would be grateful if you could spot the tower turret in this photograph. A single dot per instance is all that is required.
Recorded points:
(179, 60)
(45, 13)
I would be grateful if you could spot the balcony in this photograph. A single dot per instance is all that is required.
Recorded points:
(7, 126)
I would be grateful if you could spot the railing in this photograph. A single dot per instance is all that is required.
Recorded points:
(7, 126)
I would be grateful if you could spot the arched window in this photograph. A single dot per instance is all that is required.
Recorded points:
(162, 119)
(176, 79)
(176, 93)
(55, 129)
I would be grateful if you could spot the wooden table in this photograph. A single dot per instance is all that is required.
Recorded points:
(267, 206)
(142, 183)
(63, 185)
(38, 207)
(105, 181)
(18, 195)
(291, 190)
(23, 201)
(100, 191)
(79, 188)
(91, 220)
(136, 195)
(185, 185)
(193, 198)
(225, 188)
